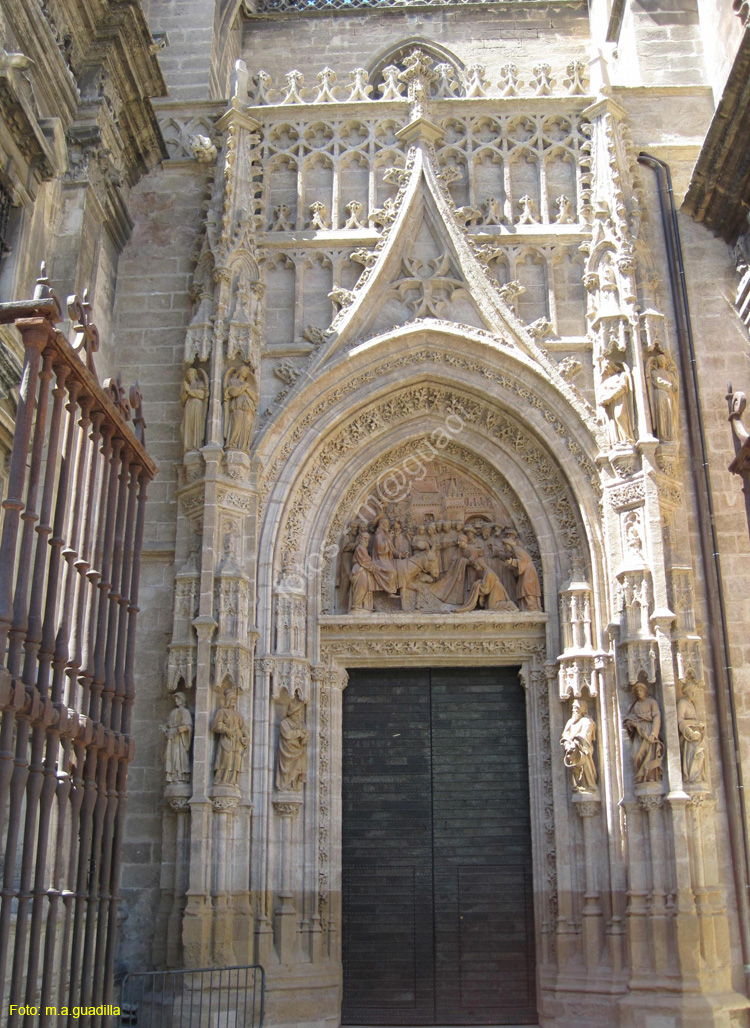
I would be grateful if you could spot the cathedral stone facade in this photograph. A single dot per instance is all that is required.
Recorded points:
(441, 672)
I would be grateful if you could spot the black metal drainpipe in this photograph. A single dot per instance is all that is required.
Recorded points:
(717, 620)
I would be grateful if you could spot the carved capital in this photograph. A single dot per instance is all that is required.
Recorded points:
(651, 802)
(587, 805)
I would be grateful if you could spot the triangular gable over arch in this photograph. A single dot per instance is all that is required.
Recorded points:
(425, 268)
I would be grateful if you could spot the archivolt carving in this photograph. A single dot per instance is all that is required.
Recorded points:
(424, 357)
(402, 407)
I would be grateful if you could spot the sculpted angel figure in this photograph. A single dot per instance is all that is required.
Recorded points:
(178, 729)
(194, 399)
(291, 756)
(578, 740)
(643, 725)
(663, 396)
(232, 740)
(240, 396)
(615, 397)
(692, 732)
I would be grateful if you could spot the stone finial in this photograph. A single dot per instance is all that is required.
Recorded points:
(528, 215)
(291, 94)
(391, 88)
(476, 82)
(575, 79)
(326, 88)
(319, 219)
(542, 83)
(360, 88)
(565, 211)
(509, 81)
(354, 209)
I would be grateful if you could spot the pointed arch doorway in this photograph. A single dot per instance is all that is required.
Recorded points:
(437, 884)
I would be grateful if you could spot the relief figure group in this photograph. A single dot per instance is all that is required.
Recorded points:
(439, 566)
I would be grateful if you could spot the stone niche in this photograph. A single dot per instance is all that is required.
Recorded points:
(443, 544)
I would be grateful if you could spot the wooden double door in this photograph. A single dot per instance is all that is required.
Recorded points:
(437, 901)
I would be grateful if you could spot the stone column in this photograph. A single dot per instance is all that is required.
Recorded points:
(224, 801)
(285, 913)
(652, 802)
(588, 807)
(178, 799)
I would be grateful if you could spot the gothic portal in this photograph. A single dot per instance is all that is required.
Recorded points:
(431, 492)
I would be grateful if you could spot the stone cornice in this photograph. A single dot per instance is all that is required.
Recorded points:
(719, 191)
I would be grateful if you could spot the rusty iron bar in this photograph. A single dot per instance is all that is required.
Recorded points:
(72, 534)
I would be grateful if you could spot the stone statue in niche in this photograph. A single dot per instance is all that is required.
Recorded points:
(178, 729)
(643, 725)
(240, 400)
(663, 380)
(579, 740)
(232, 740)
(528, 590)
(194, 399)
(615, 396)
(692, 732)
(291, 755)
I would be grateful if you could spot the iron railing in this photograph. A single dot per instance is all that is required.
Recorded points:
(72, 532)
(207, 997)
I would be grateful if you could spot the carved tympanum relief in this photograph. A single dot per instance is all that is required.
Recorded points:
(448, 547)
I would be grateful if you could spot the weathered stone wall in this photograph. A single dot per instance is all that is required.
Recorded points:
(660, 44)
(522, 35)
(152, 313)
(721, 31)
